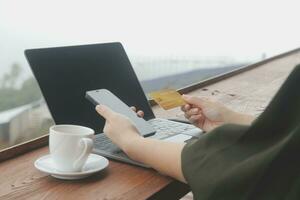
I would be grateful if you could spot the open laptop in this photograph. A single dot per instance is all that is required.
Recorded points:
(64, 74)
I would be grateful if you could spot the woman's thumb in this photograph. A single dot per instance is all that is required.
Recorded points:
(193, 100)
(104, 111)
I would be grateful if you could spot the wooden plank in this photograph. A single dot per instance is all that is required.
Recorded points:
(220, 77)
(20, 180)
(23, 148)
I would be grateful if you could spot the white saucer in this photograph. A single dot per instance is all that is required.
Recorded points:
(94, 163)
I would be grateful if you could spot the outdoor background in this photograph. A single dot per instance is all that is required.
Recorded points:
(170, 44)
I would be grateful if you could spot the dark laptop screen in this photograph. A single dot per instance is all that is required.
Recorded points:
(64, 75)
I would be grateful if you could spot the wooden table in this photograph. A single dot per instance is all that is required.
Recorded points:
(20, 180)
(247, 92)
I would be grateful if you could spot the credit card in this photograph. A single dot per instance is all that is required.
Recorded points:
(167, 99)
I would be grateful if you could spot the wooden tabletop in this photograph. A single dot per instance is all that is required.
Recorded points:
(20, 180)
(247, 92)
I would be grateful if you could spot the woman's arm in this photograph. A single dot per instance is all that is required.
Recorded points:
(163, 156)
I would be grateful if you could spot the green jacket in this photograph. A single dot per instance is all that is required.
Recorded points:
(260, 161)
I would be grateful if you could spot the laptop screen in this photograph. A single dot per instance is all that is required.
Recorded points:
(64, 75)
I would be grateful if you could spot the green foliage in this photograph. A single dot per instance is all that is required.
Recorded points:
(9, 79)
(11, 97)
(29, 91)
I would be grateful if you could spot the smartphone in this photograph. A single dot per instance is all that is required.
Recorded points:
(105, 97)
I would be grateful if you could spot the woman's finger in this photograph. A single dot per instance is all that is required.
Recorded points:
(140, 113)
(193, 111)
(200, 122)
(193, 100)
(194, 118)
(105, 111)
(133, 108)
(182, 108)
(187, 116)
(185, 107)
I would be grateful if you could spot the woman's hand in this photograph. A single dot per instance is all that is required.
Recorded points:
(118, 127)
(163, 156)
(139, 113)
(208, 115)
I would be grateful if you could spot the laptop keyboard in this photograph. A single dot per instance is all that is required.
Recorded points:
(164, 128)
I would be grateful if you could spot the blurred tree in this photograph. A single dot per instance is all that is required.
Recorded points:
(12, 96)
(9, 80)
(8, 99)
(15, 73)
(29, 91)
(5, 80)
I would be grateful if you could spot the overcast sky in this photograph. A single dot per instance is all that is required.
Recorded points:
(151, 28)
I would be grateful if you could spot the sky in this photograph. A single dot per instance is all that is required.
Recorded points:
(236, 28)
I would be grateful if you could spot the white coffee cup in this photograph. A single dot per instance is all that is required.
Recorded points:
(70, 146)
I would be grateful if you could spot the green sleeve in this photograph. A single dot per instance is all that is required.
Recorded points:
(203, 161)
(260, 161)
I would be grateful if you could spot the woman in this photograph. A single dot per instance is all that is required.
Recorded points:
(239, 160)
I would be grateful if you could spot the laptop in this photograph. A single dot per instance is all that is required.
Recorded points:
(64, 74)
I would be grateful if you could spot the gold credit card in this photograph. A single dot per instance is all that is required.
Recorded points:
(167, 99)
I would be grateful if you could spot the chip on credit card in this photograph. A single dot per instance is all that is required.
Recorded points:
(167, 98)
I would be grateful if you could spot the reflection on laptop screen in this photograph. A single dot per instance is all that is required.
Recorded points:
(66, 73)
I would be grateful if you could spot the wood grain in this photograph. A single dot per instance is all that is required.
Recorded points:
(22, 148)
(246, 92)
(20, 180)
